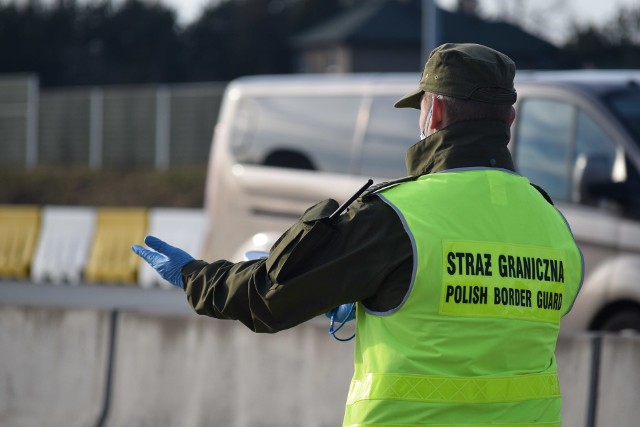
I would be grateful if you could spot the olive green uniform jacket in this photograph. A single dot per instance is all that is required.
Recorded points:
(363, 255)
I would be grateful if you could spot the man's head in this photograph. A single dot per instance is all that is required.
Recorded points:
(463, 82)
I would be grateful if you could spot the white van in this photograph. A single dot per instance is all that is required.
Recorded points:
(283, 143)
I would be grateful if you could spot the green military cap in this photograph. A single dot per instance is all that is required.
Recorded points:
(465, 71)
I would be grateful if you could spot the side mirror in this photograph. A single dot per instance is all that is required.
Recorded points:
(591, 174)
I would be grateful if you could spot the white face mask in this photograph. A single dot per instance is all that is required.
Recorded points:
(423, 134)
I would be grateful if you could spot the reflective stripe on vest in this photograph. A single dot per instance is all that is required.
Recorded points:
(454, 389)
(463, 425)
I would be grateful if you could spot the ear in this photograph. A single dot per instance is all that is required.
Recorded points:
(512, 116)
(437, 118)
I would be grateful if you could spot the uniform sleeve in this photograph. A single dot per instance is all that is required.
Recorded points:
(316, 265)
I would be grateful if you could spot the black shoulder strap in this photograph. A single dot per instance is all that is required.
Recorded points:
(387, 184)
(541, 191)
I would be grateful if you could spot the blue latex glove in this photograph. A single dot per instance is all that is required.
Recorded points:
(343, 313)
(167, 260)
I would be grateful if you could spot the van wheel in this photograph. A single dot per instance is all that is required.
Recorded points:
(289, 159)
(627, 320)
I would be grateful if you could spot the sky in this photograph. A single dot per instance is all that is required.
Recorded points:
(558, 25)
(582, 10)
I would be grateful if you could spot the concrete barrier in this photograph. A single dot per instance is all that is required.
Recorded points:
(188, 372)
(19, 228)
(87, 245)
(574, 356)
(619, 382)
(110, 258)
(183, 228)
(52, 366)
(76, 367)
(63, 246)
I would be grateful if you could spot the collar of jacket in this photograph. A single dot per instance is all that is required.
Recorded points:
(473, 143)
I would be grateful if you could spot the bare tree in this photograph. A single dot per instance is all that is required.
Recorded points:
(468, 7)
(625, 27)
(543, 18)
(613, 44)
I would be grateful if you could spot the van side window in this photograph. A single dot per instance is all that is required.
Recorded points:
(626, 105)
(593, 142)
(543, 148)
(390, 132)
(301, 132)
(558, 143)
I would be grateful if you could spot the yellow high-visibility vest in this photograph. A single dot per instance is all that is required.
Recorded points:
(495, 268)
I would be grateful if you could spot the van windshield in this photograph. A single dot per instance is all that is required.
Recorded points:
(626, 105)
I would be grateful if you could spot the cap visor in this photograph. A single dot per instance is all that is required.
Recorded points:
(410, 100)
